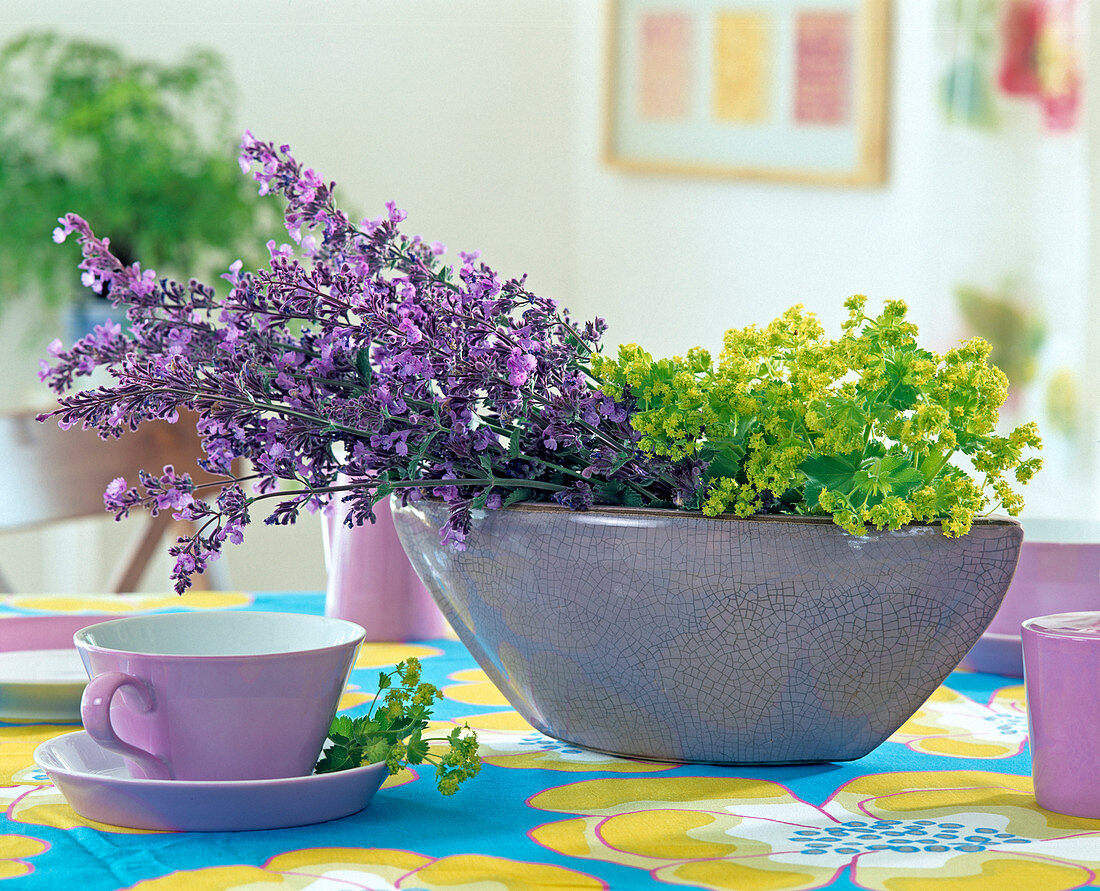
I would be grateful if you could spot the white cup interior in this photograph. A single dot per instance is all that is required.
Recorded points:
(219, 633)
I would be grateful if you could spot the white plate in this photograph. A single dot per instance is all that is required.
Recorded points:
(41, 685)
(98, 786)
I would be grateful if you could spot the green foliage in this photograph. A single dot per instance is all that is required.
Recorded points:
(1014, 328)
(1062, 402)
(394, 733)
(144, 149)
(863, 427)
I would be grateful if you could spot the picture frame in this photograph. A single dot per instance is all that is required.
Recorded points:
(783, 90)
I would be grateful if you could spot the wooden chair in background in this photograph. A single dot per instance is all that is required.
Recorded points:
(49, 475)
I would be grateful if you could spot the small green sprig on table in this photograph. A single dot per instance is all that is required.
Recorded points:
(394, 733)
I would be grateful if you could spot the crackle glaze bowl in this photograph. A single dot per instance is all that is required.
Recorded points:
(670, 636)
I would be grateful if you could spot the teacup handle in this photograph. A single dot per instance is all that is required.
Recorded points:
(95, 712)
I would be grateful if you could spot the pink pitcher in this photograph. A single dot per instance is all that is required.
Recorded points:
(371, 583)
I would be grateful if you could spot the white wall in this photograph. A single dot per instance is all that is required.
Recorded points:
(483, 120)
(673, 261)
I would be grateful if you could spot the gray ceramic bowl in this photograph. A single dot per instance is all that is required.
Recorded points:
(671, 636)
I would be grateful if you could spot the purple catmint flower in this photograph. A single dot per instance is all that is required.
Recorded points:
(282, 252)
(352, 366)
(114, 492)
(145, 282)
(412, 334)
(520, 365)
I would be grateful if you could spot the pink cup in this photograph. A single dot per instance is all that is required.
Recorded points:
(218, 695)
(371, 582)
(1062, 674)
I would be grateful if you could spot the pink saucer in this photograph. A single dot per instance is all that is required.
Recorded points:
(47, 631)
(98, 786)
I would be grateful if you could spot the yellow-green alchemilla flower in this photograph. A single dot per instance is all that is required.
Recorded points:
(867, 427)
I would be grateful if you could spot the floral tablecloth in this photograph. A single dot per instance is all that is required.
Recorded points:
(946, 803)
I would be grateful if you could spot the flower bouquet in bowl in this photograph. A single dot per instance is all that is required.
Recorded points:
(359, 364)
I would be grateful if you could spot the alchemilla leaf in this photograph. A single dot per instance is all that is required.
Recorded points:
(392, 732)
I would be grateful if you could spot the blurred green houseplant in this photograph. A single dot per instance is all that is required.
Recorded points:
(141, 146)
(1012, 325)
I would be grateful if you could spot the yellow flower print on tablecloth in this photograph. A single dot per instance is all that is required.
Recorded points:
(383, 655)
(126, 603)
(380, 869)
(26, 793)
(956, 726)
(14, 850)
(473, 687)
(17, 745)
(919, 831)
(353, 696)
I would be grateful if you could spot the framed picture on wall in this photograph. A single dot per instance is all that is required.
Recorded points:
(789, 90)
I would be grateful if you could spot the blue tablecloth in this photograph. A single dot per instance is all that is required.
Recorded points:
(946, 803)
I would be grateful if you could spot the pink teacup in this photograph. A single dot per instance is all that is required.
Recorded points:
(219, 695)
(1062, 673)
